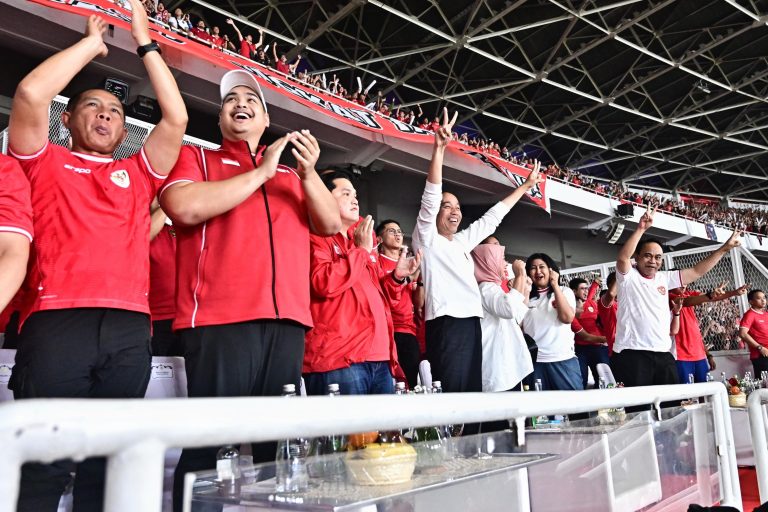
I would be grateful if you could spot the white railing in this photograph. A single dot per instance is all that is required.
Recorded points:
(758, 423)
(134, 434)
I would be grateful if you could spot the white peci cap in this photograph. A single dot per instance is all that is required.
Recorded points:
(238, 77)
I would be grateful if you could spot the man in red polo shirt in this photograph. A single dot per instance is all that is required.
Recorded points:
(692, 355)
(589, 353)
(247, 47)
(162, 284)
(352, 343)
(15, 228)
(85, 324)
(753, 329)
(400, 298)
(242, 239)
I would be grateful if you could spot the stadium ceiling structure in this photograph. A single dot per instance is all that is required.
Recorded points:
(668, 94)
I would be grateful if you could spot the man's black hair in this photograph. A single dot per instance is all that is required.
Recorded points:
(75, 98)
(645, 241)
(574, 283)
(334, 173)
(752, 293)
(382, 225)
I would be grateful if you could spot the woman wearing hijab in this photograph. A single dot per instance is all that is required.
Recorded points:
(506, 359)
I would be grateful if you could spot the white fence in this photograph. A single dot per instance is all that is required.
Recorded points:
(134, 434)
(719, 321)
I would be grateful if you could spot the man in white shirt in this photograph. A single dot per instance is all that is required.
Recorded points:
(641, 353)
(453, 306)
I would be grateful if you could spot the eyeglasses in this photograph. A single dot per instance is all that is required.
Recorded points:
(393, 231)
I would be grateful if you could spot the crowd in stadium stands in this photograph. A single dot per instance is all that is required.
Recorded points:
(260, 274)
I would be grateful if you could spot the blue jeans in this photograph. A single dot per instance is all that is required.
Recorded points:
(589, 357)
(558, 376)
(371, 378)
(699, 369)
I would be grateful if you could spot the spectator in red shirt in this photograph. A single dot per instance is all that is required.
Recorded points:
(753, 329)
(606, 310)
(282, 64)
(15, 228)
(201, 32)
(247, 47)
(400, 299)
(85, 325)
(242, 233)
(692, 354)
(352, 342)
(590, 351)
(162, 284)
(217, 41)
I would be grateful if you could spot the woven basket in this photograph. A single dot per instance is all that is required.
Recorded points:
(388, 470)
(739, 400)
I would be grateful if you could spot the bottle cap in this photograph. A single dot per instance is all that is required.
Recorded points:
(289, 388)
(437, 384)
(333, 387)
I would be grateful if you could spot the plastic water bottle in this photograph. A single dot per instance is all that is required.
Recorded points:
(291, 460)
(326, 464)
(228, 469)
(400, 388)
(542, 419)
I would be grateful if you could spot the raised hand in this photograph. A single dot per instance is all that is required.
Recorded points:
(407, 266)
(734, 241)
(646, 221)
(741, 290)
(306, 150)
(720, 290)
(364, 234)
(554, 278)
(518, 267)
(139, 23)
(268, 166)
(95, 28)
(443, 134)
(677, 304)
(535, 177)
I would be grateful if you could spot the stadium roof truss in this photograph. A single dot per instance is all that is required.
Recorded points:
(668, 94)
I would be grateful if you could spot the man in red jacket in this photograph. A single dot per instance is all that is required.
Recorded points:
(352, 342)
(242, 240)
(400, 298)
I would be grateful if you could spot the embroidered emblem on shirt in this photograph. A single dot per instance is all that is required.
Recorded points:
(227, 161)
(120, 178)
(590, 309)
(336, 248)
(662, 290)
(373, 258)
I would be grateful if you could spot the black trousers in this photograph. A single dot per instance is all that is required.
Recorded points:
(408, 355)
(244, 359)
(455, 354)
(644, 368)
(760, 364)
(165, 342)
(78, 353)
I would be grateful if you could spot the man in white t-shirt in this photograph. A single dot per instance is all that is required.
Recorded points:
(641, 353)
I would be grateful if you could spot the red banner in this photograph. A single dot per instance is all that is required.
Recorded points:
(350, 113)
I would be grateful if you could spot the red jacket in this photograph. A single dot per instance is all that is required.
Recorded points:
(399, 298)
(346, 301)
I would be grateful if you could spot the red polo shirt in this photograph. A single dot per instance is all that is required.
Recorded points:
(162, 274)
(756, 324)
(247, 49)
(15, 202)
(250, 263)
(91, 218)
(607, 317)
(352, 322)
(588, 316)
(399, 298)
(688, 342)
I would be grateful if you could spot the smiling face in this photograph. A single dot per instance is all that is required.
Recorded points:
(449, 216)
(96, 122)
(346, 197)
(649, 258)
(242, 115)
(539, 273)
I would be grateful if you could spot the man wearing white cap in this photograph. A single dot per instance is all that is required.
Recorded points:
(243, 223)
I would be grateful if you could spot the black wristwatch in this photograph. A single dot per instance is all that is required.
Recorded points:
(151, 47)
